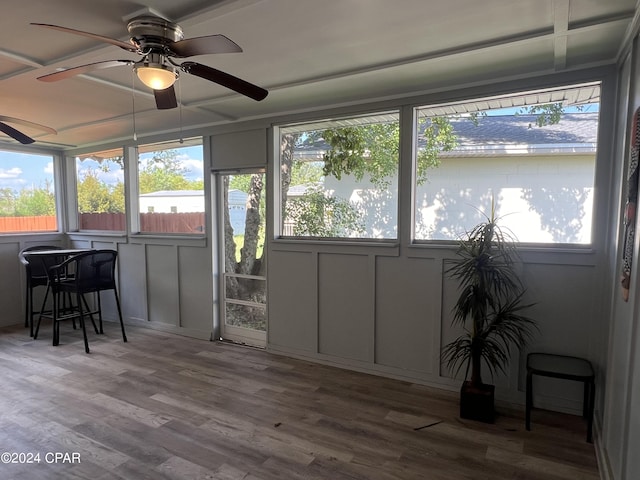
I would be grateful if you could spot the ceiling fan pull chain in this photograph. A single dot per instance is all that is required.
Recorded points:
(180, 109)
(133, 104)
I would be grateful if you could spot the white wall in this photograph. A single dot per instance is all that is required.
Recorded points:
(620, 441)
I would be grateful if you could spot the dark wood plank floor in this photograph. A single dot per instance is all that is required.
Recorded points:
(167, 407)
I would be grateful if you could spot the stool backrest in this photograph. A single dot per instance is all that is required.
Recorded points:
(93, 271)
(35, 267)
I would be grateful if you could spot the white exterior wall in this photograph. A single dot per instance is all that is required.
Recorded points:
(528, 191)
(163, 204)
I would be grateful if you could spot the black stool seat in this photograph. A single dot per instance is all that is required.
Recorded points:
(567, 368)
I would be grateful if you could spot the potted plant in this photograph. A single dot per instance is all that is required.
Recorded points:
(490, 308)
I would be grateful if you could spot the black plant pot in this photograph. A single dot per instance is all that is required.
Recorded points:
(476, 403)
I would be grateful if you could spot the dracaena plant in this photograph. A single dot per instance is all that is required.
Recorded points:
(491, 303)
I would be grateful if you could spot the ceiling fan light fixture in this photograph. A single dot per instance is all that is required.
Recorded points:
(156, 76)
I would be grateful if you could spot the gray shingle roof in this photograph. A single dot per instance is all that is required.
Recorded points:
(574, 128)
(576, 132)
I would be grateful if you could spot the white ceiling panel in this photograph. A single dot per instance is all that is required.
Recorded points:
(308, 54)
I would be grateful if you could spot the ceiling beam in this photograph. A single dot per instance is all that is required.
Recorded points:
(22, 60)
(560, 32)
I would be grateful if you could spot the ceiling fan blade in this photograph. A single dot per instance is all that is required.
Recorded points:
(226, 80)
(124, 45)
(165, 99)
(204, 45)
(15, 134)
(25, 123)
(71, 72)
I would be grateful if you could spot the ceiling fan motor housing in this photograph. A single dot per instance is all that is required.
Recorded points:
(149, 32)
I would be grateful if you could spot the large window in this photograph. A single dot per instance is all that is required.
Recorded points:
(530, 156)
(339, 178)
(27, 194)
(100, 181)
(171, 185)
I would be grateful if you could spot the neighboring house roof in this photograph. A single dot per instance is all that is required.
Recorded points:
(299, 190)
(237, 197)
(575, 133)
(508, 134)
(517, 129)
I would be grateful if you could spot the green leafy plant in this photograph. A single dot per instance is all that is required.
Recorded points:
(491, 304)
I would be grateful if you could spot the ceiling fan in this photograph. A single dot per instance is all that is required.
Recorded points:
(18, 135)
(160, 41)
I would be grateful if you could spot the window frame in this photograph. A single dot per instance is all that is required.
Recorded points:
(134, 177)
(74, 208)
(514, 92)
(339, 120)
(58, 186)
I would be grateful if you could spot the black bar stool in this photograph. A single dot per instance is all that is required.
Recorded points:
(36, 276)
(568, 368)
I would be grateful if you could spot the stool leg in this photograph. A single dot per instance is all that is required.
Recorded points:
(30, 310)
(529, 405)
(82, 325)
(55, 320)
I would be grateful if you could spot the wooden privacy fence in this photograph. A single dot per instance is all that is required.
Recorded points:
(28, 224)
(149, 222)
(102, 221)
(172, 222)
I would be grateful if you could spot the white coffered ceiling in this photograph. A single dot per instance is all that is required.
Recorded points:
(308, 54)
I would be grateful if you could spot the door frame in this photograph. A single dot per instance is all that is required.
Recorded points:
(222, 331)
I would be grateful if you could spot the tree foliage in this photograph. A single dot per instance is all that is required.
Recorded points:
(36, 201)
(435, 135)
(318, 215)
(546, 114)
(28, 202)
(374, 149)
(95, 196)
(165, 171)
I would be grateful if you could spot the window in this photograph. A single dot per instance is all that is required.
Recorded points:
(27, 193)
(531, 155)
(171, 183)
(339, 178)
(100, 181)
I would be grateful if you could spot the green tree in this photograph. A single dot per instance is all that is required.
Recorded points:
(547, 114)
(164, 171)
(95, 196)
(36, 202)
(317, 215)
(7, 202)
(374, 149)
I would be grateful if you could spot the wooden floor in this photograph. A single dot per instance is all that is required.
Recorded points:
(168, 407)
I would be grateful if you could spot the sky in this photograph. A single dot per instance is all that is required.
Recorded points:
(25, 170)
(20, 170)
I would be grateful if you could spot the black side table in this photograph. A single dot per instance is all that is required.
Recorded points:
(568, 368)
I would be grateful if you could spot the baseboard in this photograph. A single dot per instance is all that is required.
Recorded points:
(604, 466)
(185, 332)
